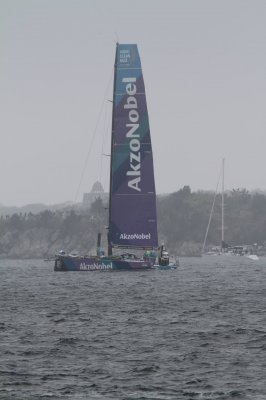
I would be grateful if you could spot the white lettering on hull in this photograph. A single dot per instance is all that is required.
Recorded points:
(94, 267)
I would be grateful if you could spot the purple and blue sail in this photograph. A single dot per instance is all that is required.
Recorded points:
(132, 221)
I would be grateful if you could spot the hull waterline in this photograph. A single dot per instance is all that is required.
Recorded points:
(95, 263)
(166, 267)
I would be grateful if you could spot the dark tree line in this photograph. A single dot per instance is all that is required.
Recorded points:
(182, 219)
(43, 234)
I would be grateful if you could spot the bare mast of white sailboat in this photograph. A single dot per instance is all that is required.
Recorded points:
(222, 243)
(211, 213)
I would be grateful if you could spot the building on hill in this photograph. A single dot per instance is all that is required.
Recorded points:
(96, 192)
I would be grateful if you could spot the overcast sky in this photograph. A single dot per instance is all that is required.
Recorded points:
(204, 67)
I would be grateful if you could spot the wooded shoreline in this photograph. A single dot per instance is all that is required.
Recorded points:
(182, 221)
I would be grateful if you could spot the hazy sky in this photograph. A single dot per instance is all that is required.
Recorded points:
(204, 66)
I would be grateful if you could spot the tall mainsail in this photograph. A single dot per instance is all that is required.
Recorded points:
(132, 189)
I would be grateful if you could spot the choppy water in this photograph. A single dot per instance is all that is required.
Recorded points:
(195, 333)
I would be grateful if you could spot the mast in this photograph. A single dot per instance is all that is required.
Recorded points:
(222, 245)
(110, 250)
(212, 209)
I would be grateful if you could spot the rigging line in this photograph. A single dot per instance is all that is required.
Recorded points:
(101, 158)
(105, 130)
(116, 36)
(93, 137)
(211, 213)
(104, 155)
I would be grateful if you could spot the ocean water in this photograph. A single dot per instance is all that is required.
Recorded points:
(195, 333)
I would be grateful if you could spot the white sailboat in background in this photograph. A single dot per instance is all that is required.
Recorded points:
(223, 244)
(226, 249)
(216, 251)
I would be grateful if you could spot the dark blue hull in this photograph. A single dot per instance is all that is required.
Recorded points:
(96, 263)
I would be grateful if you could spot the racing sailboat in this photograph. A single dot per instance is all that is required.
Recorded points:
(132, 198)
